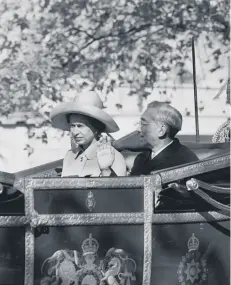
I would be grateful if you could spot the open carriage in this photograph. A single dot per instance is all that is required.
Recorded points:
(171, 227)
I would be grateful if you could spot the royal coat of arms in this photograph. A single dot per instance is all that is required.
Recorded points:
(70, 267)
(193, 267)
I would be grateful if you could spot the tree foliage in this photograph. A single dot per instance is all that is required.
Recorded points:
(47, 46)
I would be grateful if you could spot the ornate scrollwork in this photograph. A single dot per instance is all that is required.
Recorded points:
(13, 221)
(88, 183)
(29, 256)
(90, 219)
(151, 185)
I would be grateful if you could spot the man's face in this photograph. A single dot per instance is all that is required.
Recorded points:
(150, 129)
(81, 129)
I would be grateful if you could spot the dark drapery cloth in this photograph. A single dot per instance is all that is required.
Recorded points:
(173, 155)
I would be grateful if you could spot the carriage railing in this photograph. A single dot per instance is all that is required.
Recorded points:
(151, 186)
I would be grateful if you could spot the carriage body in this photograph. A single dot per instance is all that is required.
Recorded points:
(123, 230)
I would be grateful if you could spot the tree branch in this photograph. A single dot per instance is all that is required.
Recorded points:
(133, 30)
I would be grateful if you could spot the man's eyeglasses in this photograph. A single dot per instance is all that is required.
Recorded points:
(141, 124)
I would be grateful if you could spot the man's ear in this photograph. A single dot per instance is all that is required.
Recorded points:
(162, 130)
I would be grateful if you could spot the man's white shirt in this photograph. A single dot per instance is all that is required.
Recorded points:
(160, 150)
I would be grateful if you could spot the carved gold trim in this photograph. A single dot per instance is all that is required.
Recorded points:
(147, 261)
(195, 217)
(118, 218)
(29, 256)
(88, 219)
(29, 197)
(87, 183)
(13, 221)
(29, 235)
(195, 169)
(150, 185)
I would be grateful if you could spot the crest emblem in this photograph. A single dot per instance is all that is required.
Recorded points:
(69, 267)
(193, 267)
(89, 274)
(90, 201)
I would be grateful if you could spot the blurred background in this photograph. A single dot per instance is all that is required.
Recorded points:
(130, 52)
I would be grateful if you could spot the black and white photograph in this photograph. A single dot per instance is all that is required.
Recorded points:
(114, 142)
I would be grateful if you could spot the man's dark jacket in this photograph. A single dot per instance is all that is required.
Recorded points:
(173, 155)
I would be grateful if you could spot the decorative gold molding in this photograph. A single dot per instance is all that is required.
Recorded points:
(88, 219)
(147, 260)
(29, 196)
(87, 183)
(29, 235)
(118, 218)
(150, 185)
(14, 221)
(195, 169)
(195, 217)
(29, 256)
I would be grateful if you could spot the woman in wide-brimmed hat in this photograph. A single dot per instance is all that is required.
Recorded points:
(91, 154)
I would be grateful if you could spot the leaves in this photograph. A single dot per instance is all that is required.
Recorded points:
(49, 46)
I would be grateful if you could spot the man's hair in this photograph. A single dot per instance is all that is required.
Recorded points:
(170, 116)
(100, 127)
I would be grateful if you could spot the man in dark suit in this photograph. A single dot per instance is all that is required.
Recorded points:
(158, 127)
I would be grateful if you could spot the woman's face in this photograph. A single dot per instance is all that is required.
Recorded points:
(81, 130)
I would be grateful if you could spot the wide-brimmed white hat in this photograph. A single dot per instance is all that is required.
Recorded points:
(85, 103)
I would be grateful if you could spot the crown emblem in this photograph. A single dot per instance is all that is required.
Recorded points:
(90, 246)
(90, 201)
(193, 243)
(193, 267)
